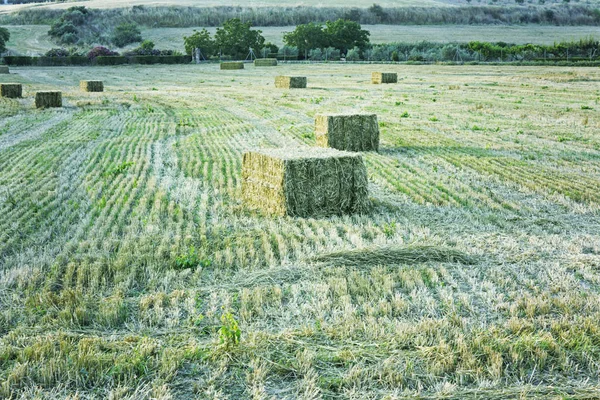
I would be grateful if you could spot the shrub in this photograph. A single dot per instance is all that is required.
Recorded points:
(57, 53)
(125, 34)
(353, 55)
(101, 51)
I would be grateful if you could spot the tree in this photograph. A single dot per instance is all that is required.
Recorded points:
(344, 35)
(4, 37)
(199, 40)
(306, 37)
(378, 11)
(236, 38)
(125, 34)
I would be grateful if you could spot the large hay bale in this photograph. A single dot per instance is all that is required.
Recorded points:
(91, 86)
(290, 82)
(384, 77)
(232, 65)
(4, 69)
(265, 62)
(48, 99)
(11, 90)
(358, 132)
(304, 182)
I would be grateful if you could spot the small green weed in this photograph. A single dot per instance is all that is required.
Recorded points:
(230, 333)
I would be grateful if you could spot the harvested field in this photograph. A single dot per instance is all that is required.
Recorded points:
(4, 69)
(290, 82)
(130, 267)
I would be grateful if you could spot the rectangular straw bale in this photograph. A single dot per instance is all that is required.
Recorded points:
(4, 69)
(91, 86)
(304, 182)
(11, 90)
(358, 132)
(290, 82)
(265, 62)
(232, 65)
(384, 77)
(48, 99)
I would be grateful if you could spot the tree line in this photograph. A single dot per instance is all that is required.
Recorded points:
(171, 17)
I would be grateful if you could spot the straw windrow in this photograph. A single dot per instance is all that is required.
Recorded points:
(359, 132)
(4, 69)
(304, 182)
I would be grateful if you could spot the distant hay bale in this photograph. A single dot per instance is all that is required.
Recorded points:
(48, 99)
(4, 69)
(11, 90)
(232, 65)
(91, 86)
(290, 82)
(265, 62)
(359, 132)
(304, 182)
(384, 77)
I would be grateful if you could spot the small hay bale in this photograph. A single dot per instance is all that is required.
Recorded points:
(358, 132)
(11, 90)
(48, 99)
(232, 65)
(265, 62)
(304, 182)
(4, 69)
(384, 77)
(290, 82)
(91, 86)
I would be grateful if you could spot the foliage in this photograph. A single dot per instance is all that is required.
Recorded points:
(307, 37)
(101, 51)
(191, 260)
(199, 40)
(230, 333)
(344, 34)
(125, 34)
(353, 54)
(57, 53)
(68, 27)
(4, 37)
(236, 38)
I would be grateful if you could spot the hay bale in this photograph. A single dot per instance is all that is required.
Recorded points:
(358, 132)
(48, 99)
(290, 82)
(265, 62)
(4, 69)
(11, 90)
(232, 65)
(384, 77)
(91, 86)
(304, 182)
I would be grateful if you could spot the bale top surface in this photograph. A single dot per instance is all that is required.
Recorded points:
(304, 153)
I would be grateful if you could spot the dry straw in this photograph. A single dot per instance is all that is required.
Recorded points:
(48, 99)
(304, 182)
(11, 90)
(232, 65)
(265, 62)
(91, 86)
(384, 77)
(290, 82)
(4, 69)
(358, 132)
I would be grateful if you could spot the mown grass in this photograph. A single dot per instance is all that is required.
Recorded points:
(130, 269)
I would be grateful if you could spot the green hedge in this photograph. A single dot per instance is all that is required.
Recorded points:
(78, 60)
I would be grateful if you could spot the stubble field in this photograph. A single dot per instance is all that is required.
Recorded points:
(128, 264)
